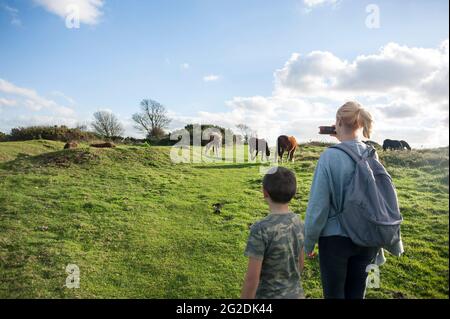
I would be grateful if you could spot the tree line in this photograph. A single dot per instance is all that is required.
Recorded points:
(152, 120)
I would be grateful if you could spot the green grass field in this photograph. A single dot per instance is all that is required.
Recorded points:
(139, 226)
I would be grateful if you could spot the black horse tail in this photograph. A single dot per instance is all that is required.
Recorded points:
(279, 149)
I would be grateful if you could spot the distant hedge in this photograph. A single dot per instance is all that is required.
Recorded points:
(204, 127)
(65, 134)
(54, 133)
(164, 141)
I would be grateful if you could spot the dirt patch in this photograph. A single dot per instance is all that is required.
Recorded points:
(103, 145)
(70, 145)
(398, 295)
(66, 159)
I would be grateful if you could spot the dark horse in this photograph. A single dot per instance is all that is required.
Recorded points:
(406, 145)
(256, 144)
(395, 145)
(286, 144)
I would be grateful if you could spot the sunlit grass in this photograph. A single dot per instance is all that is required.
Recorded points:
(140, 226)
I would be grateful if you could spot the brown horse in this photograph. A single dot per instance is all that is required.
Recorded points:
(286, 144)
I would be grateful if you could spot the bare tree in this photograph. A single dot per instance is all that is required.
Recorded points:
(81, 126)
(152, 119)
(245, 130)
(106, 124)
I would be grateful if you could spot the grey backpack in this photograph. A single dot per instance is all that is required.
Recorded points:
(370, 215)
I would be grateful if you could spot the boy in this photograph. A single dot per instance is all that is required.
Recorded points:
(275, 244)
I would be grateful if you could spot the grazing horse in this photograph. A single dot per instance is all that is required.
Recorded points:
(256, 144)
(405, 145)
(286, 144)
(215, 141)
(395, 145)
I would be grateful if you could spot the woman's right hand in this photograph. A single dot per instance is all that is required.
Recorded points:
(312, 255)
(334, 135)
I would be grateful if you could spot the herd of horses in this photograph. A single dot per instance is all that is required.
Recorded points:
(288, 145)
(285, 144)
(395, 145)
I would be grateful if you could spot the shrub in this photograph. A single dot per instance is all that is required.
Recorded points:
(163, 141)
(130, 141)
(223, 131)
(54, 133)
(3, 137)
(436, 158)
(316, 143)
(156, 133)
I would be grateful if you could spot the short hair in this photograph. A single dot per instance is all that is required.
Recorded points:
(281, 184)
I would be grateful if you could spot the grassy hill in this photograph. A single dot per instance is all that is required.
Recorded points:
(12, 150)
(139, 226)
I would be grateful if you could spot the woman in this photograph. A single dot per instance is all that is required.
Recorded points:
(342, 263)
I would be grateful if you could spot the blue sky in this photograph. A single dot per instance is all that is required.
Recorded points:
(165, 49)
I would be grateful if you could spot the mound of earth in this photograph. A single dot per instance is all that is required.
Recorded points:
(103, 145)
(63, 159)
(66, 159)
(71, 145)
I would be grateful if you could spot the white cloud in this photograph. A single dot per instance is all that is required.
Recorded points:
(416, 76)
(309, 5)
(314, 73)
(185, 66)
(31, 120)
(7, 102)
(14, 15)
(394, 69)
(405, 88)
(89, 10)
(315, 3)
(64, 97)
(31, 99)
(399, 110)
(21, 106)
(211, 78)
(26, 107)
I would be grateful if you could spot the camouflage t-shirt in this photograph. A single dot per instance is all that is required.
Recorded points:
(277, 240)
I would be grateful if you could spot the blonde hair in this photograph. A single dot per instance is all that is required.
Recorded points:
(354, 116)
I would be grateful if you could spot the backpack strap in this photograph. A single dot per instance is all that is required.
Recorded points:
(371, 151)
(347, 150)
